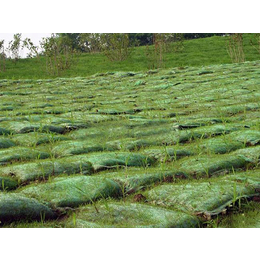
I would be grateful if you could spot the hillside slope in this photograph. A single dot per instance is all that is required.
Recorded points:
(162, 148)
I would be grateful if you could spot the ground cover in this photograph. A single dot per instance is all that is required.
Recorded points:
(176, 147)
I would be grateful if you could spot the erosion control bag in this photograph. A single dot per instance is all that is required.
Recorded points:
(130, 215)
(7, 183)
(73, 191)
(207, 197)
(15, 207)
(13, 154)
(104, 161)
(43, 169)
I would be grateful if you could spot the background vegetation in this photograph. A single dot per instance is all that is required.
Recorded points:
(71, 55)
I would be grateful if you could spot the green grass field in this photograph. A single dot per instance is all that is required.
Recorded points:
(125, 146)
(197, 52)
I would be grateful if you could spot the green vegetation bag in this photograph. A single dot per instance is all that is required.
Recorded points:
(26, 127)
(103, 161)
(73, 191)
(206, 197)
(34, 138)
(204, 165)
(13, 154)
(6, 143)
(130, 215)
(68, 148)
(16, 207)
(7, 184)
(44, 169)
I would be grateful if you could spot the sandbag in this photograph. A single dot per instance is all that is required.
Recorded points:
(73, 191)
(67, 148)
(220, 145)
(135, 179)
(19, 153)
(43, 169)
(205, 165)
(103, 161)
(4, 131)
(6, 143)
(251, 178)
(130, 215)
(247, 137)
(206, 197)
(27, 127)
(232, 141)
(34, 138)
(251, 154)
(7, 184)
(16, 207)
(168, 153)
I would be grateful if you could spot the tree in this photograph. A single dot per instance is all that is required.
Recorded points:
(255, 42)
(14, 47)
(141, 39)
(73, 39)
(27, 43)
(235, 47)
(58, 52)
(162, 43)
(116, 46)
(82, 42)
(2, 56)
(189, 36)
(177, 40)
(90, 42)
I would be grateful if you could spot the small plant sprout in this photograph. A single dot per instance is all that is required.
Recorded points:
(3, 185)
(74, 219)
(42, 217)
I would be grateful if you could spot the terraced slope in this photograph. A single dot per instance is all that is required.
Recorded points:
(162, 148)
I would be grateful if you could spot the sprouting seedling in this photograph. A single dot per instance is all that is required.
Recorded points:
(3, 185)
(38, 157)
(94, 204)
(127, 159)
(206, 170)
(40, 128)
(50, 178)
(245, 142)
(74, 219)
(88, 198)
(235, 195)
(175, 155)
(51, 137)
(106, 204)
(233, 170)
(81, 168)
(42, 215)
(40, 165)
(166, 154)
(199, 147)
(145, 163)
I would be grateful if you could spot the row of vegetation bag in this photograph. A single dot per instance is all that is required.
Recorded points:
(43, 169)
(14, 154)
(16, 207)
(73, 191)
(204, 198)
(130, 215)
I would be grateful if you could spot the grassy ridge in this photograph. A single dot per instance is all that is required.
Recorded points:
(197, 52)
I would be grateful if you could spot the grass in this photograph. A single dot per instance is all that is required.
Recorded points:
(123, 137)
(197, 52)
(246, 218)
